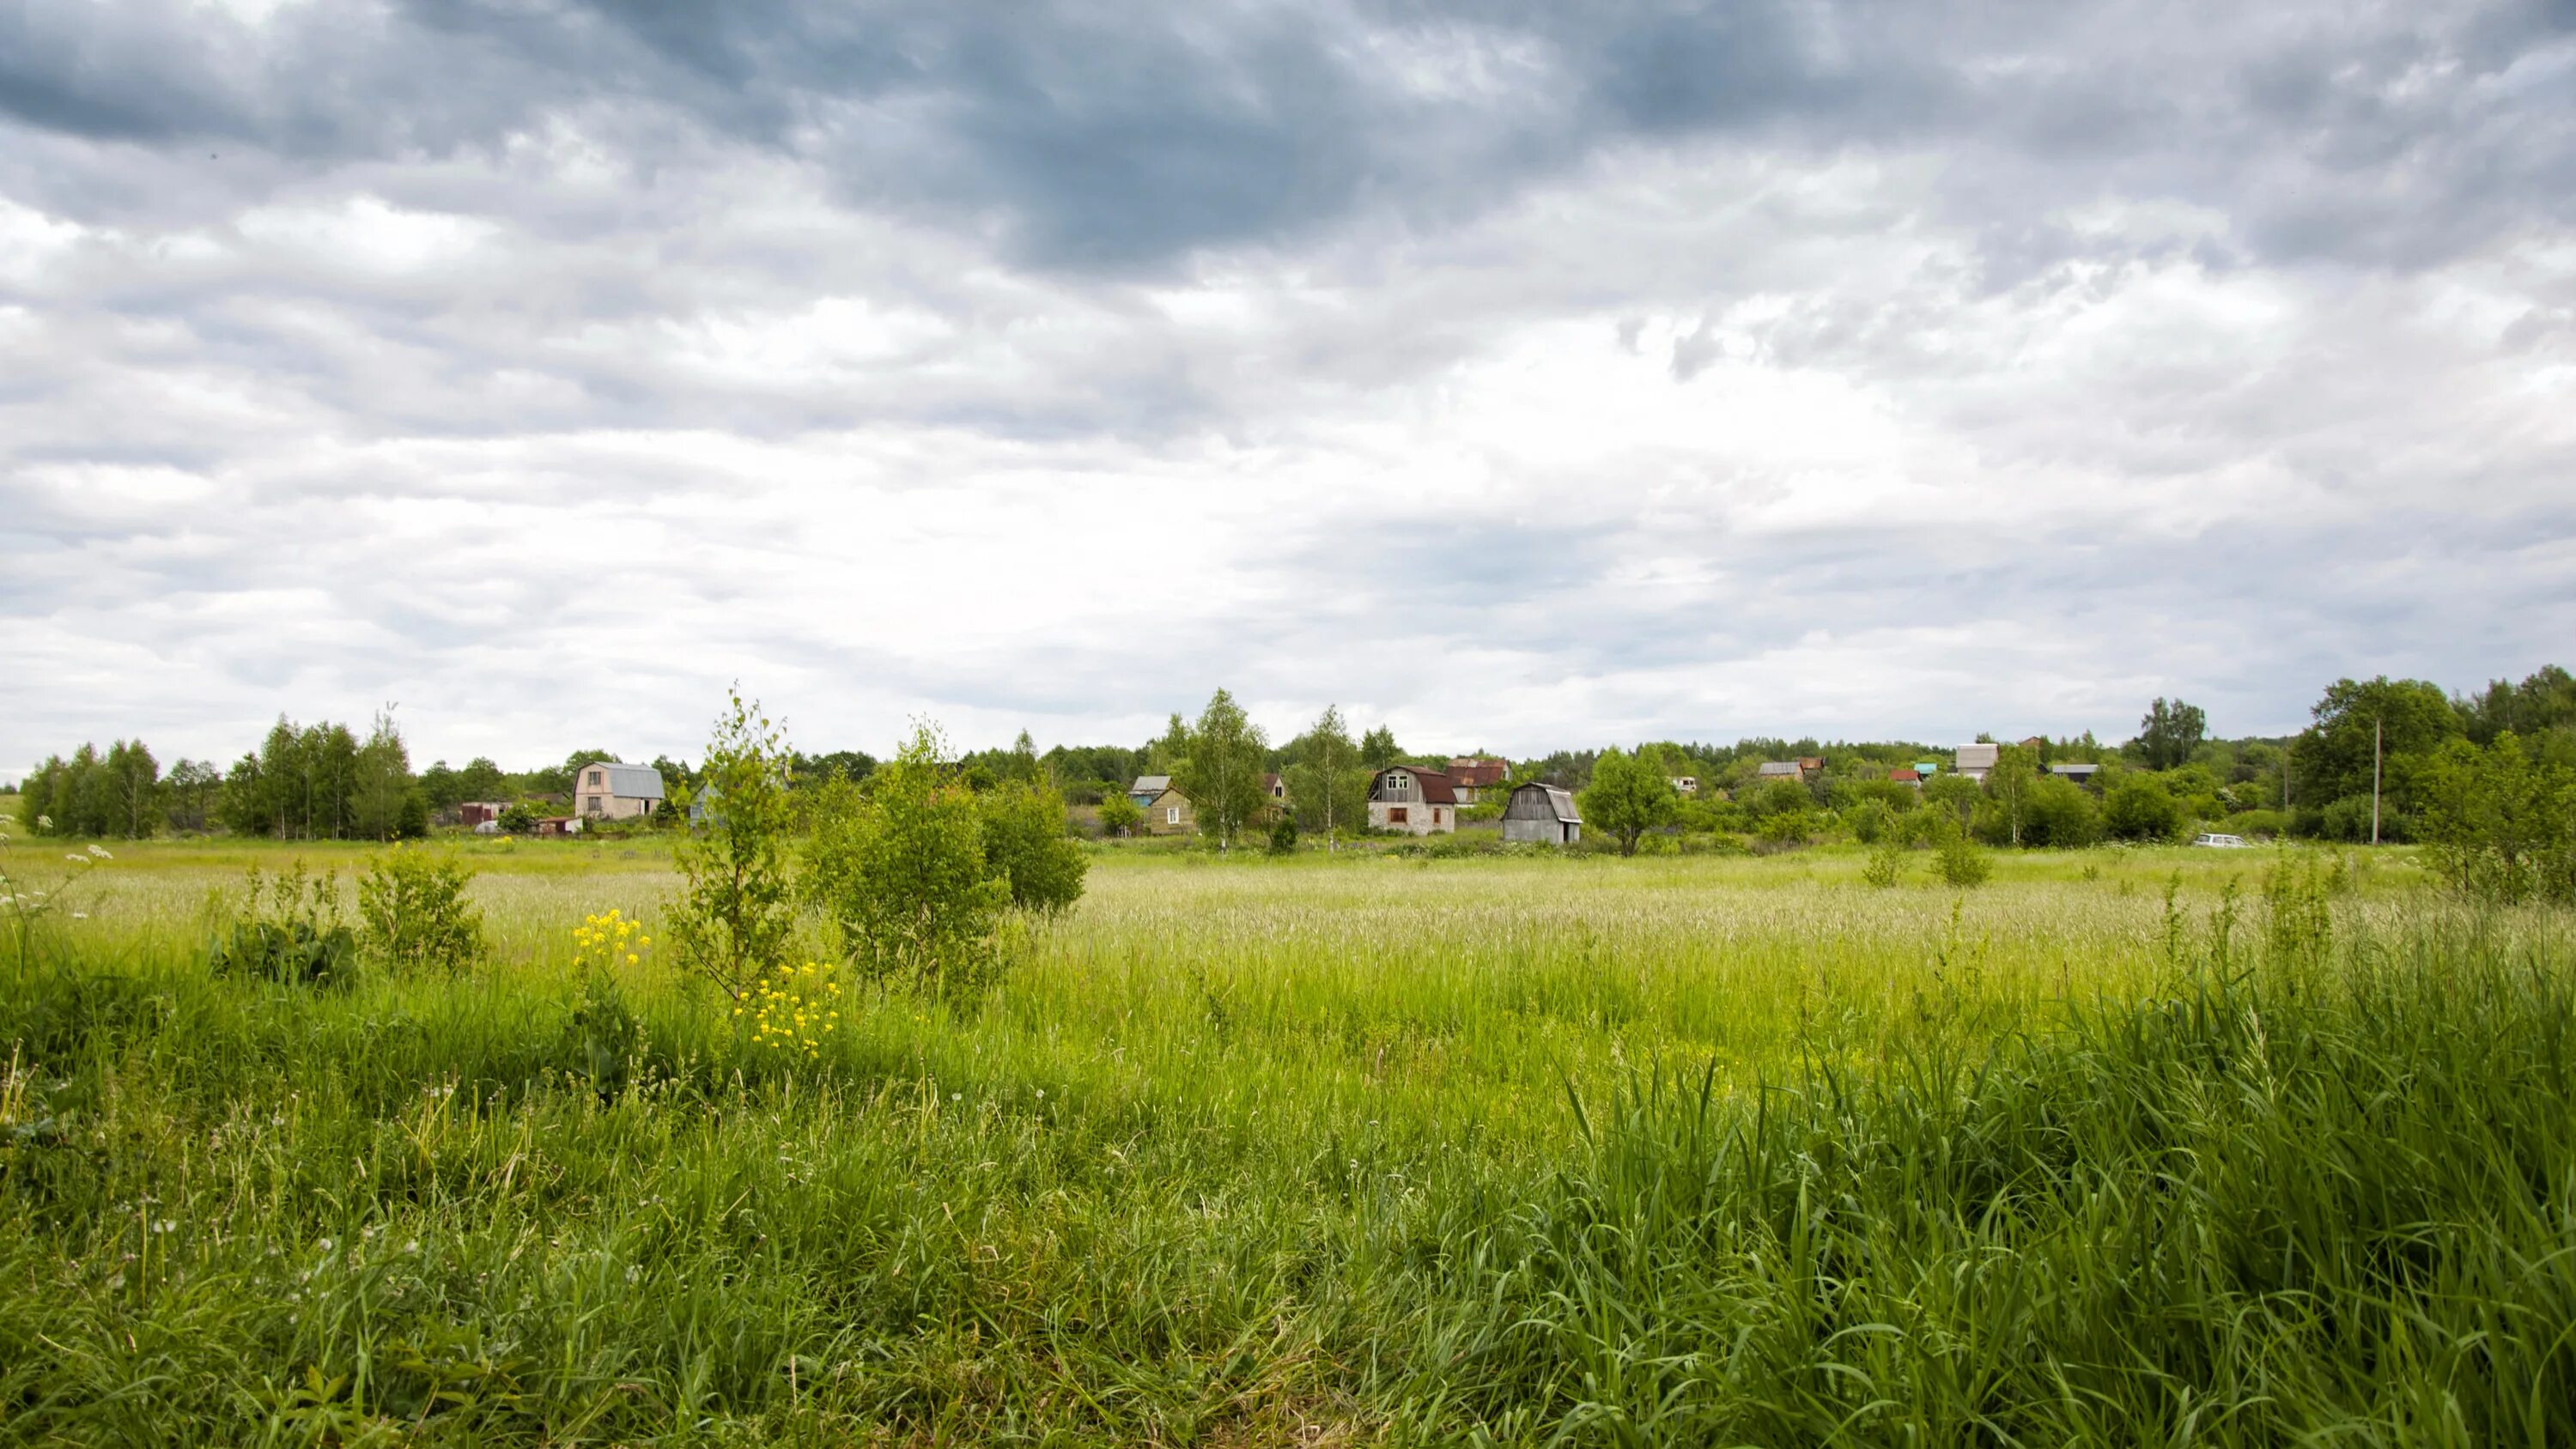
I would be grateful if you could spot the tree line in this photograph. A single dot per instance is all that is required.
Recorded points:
(2377, 758)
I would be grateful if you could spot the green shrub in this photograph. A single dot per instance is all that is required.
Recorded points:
(1283, 835)
(1026, 840)
(901, 869)
(286, 929)
(1961, 861)
(1886, 865)
(2140, 807)
(2060, 815)
(414, 906)
(736, 909)
(1119, 815)
(1869, 820)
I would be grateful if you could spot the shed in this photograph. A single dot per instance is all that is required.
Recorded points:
(1146, 788)
(1542, 814)
(1412, 800)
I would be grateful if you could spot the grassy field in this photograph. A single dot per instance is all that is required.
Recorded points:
(1685, 1150)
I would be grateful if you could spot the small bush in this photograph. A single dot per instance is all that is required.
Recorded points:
(1869, 820)
(901, 869)
(1283, 835)
(287, 929)
(413, 903)
(1886, 865)
(1026, 841)
(1960, 861)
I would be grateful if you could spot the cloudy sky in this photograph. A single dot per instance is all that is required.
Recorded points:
(1525, 375)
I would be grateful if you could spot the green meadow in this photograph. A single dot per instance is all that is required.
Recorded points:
(2153, 1146)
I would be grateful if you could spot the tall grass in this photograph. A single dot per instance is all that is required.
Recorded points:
(1594, 1152)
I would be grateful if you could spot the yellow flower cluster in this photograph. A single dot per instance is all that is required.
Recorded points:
(794, 1010)
(607, 938)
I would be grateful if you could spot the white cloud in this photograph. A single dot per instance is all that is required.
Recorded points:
(1678, 428)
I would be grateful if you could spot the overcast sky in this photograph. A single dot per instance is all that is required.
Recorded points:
(1526, 376)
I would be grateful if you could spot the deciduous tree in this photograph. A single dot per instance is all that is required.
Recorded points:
(735, 910)
(1221, 773)
(1628, 796)
(2169, 732)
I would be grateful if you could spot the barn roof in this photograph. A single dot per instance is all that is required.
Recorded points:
(1476, 773)
(1150, 785)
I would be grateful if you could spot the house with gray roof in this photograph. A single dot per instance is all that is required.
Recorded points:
(606, 790)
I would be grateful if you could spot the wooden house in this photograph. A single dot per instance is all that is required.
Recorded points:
(1413, 801)
(1977, 761)
(1167, 810)
(1542, 814)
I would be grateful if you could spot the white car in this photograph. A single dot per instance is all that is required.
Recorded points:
(2221, 842)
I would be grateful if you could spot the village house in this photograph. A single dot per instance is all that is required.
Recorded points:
(1810, 766)
(1474, 777)
(1977, 761)
(1778, 770)
(1276, 788)
(1167, 810)
(609, 791)
(1413, 801)
(1686, 785)
(474, 814)
(2081, 772)
(1904, 776)
(1542, 814)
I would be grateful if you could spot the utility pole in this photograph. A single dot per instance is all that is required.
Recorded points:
(2374, 782)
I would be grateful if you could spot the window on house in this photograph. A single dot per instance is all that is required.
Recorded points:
(1435, 814)
(1397, 816)
(1172, 816)
(594, 779)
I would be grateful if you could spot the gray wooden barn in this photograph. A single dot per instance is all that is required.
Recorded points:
(1543, 814)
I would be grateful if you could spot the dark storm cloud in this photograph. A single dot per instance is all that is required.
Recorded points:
(1102, 138)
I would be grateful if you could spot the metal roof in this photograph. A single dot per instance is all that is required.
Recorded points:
(1778, 769)
(1559, 799)
(1150, 785)
(629, 782)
